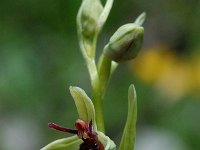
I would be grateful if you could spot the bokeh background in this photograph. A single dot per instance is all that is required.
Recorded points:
(40, 59)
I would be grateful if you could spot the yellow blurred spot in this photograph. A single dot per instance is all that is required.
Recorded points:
(172, 76)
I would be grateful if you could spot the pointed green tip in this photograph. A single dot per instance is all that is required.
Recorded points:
(73, 87)
(132, 91)
(140, 19)
(132, 87)
(73, 90)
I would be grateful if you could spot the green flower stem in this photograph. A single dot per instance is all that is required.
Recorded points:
(104, 71)
(95, 82)
(97, 95)
(99, 80)
(98, 76)
(98, 104)
(98, 89)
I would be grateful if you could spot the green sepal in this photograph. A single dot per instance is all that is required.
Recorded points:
(140, 19)
(70, 143)
(129, 133)
(84, 105)
(104, 14)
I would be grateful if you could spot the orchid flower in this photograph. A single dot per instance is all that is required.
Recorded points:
(87, 136)
(86, 129)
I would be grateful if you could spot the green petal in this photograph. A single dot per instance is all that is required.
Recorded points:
(70, 143)
(84, 105)
(106, 141)
(128, 137)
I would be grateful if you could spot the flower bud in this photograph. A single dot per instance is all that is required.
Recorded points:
(88, 16)
(125, 43)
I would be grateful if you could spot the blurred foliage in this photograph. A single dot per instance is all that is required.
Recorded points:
(40, 59)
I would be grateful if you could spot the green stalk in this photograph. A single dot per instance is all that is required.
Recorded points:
(96, 84)
(104, 69)
(97, 97)
(97, 93)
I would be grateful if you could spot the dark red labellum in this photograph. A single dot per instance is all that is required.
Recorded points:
(85, 132)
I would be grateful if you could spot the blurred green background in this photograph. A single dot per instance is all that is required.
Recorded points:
(40, 59)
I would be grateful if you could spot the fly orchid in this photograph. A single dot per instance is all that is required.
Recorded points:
(123, 46)
(87, 137)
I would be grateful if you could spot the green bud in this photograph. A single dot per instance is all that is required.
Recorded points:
(125, 43)
(88, 17)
